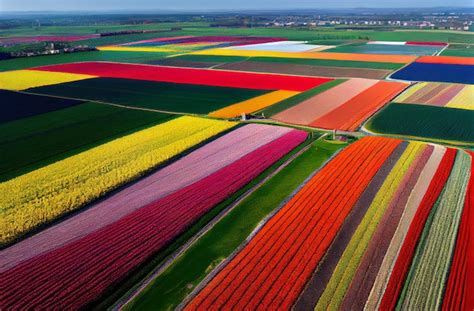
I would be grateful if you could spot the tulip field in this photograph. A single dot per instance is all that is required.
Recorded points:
(200, 169)
(375, 262)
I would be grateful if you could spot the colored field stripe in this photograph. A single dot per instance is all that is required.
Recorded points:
(69, 184)
(427, 277)
(401, 59)
(297, 99)
(439, 94)
(191, 76)
(350, 259)
(436, 72)
(464, 99)
(402, 264)
(426, 43)
(454, 60)
(24, 79)
(252, 105)
(271, 271)
(461, 275)
(352, 113)
(135, 49)
(86, 269)
(368, 269)
(417, 194)
(187, 170)
(402, 98)
(157, 40)
(316, 285)
(307, 111)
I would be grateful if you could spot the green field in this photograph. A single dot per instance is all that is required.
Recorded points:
(438, 124)
(295, 100)
(30, 143)
(170, 288)
(195, 99)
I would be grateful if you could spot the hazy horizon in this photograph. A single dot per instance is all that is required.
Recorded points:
(188, 5)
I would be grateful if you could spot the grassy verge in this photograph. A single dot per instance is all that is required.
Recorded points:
(171, 287)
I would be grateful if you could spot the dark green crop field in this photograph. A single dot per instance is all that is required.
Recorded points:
(16, 105)
(195, 99)
(440, 124)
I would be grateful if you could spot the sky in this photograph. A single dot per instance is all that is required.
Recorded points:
(103, 5)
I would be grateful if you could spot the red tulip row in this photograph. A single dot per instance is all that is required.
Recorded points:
(408, 248)
(271, 271)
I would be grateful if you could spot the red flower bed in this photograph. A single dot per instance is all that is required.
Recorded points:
(400, 269)
(81, 272)
(426, 43)
(271, 271)
(461, 276)
(246, 80)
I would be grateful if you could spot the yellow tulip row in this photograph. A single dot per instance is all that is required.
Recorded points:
(41, 196)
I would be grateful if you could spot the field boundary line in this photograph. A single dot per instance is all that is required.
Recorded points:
(127, 298)
(257, 229)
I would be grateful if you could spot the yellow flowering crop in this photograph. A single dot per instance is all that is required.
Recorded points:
(18, 80)
(44, 194)
(464, 99)
(253, 104)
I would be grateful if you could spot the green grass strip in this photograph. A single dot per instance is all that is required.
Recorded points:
(425, 285)
(341, 278)
(172, 286)
(295, 100)
(34, 142)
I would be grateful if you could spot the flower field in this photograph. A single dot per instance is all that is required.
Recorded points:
(343, 107)
(182, 44)
(439, 94)
(254, 104)
(391, 47)
(69, 184)
(438, 69)
(378, 58)
(288, 264)
(171, 178)
(89, 265)
(24, 79)
(245, 168)
(189, 76)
